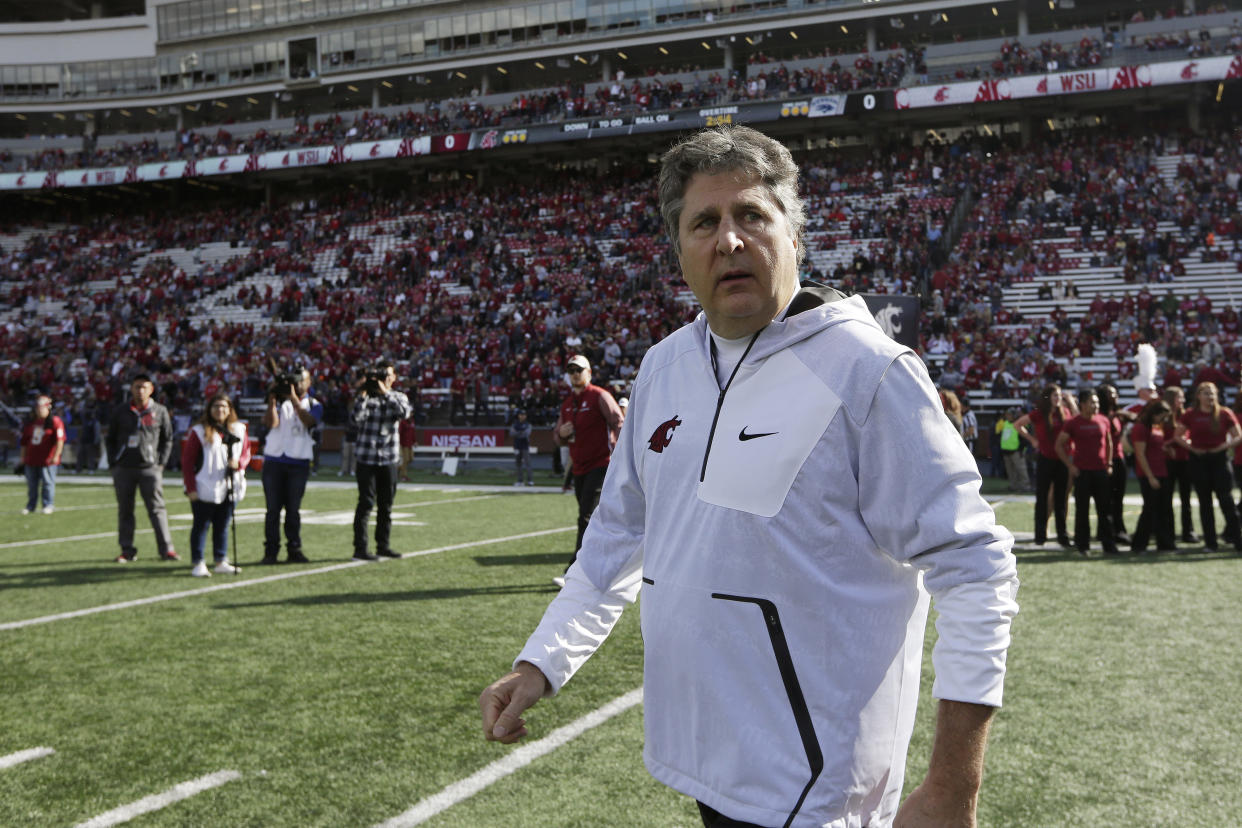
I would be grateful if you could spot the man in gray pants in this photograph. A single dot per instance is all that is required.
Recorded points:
(139, 442)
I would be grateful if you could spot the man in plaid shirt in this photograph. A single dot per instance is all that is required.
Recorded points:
(377, 413)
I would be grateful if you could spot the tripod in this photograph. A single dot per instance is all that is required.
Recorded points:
(231, 440)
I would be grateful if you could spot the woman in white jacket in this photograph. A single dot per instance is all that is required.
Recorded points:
(215, 449)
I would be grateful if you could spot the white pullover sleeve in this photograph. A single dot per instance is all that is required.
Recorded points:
(919, 495)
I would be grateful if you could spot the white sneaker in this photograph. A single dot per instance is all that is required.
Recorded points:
(47, 510)
(200, 570)
(559, 580)
(226, 568)
(26, 511)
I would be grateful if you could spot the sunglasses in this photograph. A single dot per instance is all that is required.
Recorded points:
(575, 369)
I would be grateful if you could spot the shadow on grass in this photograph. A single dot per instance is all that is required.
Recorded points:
(73, 574)
(522, 560)
(391, 597)
(1027, 557)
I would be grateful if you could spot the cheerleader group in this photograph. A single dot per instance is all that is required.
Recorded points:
(1083, 443)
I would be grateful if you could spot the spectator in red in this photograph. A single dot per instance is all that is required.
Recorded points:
(1156, 519)
(1086, 447)
(43, 440)
(407, 433)
(1210, 431)
(589, 423)
(1051, 480)
(1178, 460)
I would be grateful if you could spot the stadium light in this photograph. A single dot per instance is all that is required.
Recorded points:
(540, 65)
(386, 84)
(502, 70)
(221, 104)
(1220, 91)
(793, 34)
(351, 87)
(844, 30)
(703, 43)
(663, 51)
(580, 59)
(944, 17)
(623, 55)
(152, 110)
(460, 75)
(21, 117)
(58, 116)
(995, 13)
(252, 101)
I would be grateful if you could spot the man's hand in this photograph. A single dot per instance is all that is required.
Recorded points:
(927, 807)
(566, 430)
(503, 703)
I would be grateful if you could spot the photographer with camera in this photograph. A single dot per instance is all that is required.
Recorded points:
(291, 415)
(376, 414)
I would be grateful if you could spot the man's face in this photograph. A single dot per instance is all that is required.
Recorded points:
(738, 254)
(1089, 405)
(578, 377)
(140, 393)
(303, 383)
(390, 376)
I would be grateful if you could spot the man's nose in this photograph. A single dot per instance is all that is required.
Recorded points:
(728, 240)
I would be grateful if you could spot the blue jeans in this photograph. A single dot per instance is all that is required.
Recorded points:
(216, 515)
(36, 475)
(283, 487)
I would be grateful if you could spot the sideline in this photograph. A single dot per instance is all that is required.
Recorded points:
(147, 804)
(514, 761)
(24, 756)
(190, 593)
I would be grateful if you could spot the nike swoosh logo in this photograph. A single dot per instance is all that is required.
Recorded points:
(742, 435)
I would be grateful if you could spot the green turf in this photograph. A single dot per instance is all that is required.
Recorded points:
(346, 697)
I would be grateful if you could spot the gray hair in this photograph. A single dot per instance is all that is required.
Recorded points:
(729, 149)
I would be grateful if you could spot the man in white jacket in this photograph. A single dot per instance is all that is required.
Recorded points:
(786, 491)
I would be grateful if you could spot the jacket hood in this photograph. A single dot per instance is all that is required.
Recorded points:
(814, 308)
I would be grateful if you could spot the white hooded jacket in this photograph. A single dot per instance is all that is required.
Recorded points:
(784, 530)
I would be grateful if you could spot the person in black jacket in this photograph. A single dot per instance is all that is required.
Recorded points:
(140, 438)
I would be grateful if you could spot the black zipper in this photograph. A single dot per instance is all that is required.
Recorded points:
(720, 399)
(793, 691)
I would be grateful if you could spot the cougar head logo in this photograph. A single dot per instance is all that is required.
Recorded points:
(663, 435)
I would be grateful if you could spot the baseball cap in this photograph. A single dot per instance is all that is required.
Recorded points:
(579, 361)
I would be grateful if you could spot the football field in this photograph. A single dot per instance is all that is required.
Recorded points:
(342, 693)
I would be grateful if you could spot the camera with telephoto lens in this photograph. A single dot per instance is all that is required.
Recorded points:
(372, 378)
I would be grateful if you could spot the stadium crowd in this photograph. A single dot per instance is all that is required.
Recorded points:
(481, 294)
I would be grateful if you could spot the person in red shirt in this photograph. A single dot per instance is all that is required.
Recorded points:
(1178, 460)
(43, 440)
(407, 434)
(1085, 445)
(1051, 478)
(1237, 452)
(1147, 438)
(1210, 431)
(589, 423)
(1119, 473)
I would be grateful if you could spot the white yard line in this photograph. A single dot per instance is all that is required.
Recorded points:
(69, 539)
(514, 761)
(147, 804)
(190, 593)
(24, 756)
